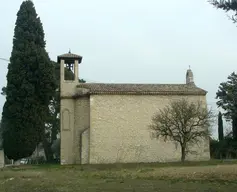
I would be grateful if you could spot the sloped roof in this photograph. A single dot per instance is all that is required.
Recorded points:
(142, 89)
(70, 57)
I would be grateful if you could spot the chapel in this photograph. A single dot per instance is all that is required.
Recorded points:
(108, 123)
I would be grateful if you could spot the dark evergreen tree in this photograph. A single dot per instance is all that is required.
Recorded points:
(226, 5)
(3, 91)
(227, 95)
(220, 127)
(30, 86)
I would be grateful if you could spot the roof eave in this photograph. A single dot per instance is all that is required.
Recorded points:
(145, 93)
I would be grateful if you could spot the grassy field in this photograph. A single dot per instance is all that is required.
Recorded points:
(210, 176)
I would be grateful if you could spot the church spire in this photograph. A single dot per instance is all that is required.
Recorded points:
(189, 77)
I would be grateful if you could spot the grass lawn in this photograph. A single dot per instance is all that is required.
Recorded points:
(210, 176)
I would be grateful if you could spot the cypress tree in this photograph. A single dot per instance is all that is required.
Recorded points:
(220, 127)
(30, 86)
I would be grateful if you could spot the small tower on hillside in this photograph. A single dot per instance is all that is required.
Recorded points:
(189, 77)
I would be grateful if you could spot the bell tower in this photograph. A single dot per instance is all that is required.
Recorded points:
(68, 64)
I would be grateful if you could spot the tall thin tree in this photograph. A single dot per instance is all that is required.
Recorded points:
(30, 86)
(220, 127)
(227, 100)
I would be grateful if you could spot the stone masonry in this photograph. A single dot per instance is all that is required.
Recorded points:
(108, 123)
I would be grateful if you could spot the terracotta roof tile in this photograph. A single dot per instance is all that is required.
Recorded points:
(155, 89)
(69, 56)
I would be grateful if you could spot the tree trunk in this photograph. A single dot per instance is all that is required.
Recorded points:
(54, 132)
(183, 154)
(47, 150)
(220, 127)
(221, 157)
(234, 128)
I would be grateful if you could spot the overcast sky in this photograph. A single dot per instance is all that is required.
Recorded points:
(134, 41)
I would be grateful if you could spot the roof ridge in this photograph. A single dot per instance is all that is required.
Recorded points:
(139, 84)
(113, 88)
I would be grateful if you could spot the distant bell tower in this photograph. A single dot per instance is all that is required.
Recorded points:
(189, 77)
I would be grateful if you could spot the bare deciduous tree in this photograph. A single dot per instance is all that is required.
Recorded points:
(183, 122)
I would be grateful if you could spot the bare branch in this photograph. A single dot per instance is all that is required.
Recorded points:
(183, 122)
(226, 5)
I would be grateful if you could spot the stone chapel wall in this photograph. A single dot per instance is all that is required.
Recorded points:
(82, 132)
(67, 131)
(119, 130)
